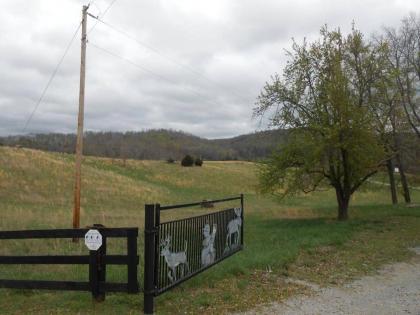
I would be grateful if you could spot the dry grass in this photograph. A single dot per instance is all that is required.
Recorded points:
(297, 237)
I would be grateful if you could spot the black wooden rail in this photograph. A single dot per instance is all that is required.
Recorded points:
(184, 240)
(97, 261)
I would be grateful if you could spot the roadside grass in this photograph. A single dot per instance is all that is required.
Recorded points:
(298, 238)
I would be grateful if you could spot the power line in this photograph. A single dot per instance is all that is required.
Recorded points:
(156, 51)
(154, 73)
(52, 77)
(109, 7)
(100, 15)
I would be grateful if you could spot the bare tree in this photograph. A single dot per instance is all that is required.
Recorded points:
(404, 70)
(404, 58)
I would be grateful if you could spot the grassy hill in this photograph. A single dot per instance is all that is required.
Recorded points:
(39, 182)
(298, 237)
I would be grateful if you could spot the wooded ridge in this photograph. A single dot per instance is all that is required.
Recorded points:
(159, 144)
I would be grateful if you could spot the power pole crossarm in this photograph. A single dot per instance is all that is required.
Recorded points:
(79, 143)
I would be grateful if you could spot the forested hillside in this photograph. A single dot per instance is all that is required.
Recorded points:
(156, 144)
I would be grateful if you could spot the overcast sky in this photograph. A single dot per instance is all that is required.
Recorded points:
(195, 65)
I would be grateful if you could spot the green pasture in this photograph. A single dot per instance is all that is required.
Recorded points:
(297, 237)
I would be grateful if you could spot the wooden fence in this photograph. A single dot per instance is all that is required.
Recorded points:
(97, 261)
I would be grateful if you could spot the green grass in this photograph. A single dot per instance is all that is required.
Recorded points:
(298, 237)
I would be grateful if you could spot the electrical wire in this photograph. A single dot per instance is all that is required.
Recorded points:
(57, 67)
(100, 15)
(153, 73)
(158, 52)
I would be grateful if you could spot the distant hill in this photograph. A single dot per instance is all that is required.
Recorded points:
(156, 144)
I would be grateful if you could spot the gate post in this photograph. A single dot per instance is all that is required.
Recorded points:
(149, 258)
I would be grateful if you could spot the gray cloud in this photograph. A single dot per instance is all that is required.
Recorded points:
(236, 45)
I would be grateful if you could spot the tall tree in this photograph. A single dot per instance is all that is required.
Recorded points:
(388, 114)
(404, 58)
(404, 63)
(324, 99)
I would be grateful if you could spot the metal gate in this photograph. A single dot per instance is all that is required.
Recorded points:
(177, 250)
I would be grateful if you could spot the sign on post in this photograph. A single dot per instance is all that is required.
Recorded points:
(93, 239)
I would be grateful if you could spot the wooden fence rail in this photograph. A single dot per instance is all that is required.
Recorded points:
(97, 261)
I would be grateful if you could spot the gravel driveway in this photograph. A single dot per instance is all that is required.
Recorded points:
(394, 290)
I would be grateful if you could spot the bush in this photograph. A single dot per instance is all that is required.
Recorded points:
(198, 162)
(170, 160)
(187, 161)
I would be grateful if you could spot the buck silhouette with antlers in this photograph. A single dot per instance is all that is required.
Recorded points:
(173, 260)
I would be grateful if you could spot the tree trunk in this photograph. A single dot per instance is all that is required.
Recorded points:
(392, 186)
(404, 182)
(343, 205)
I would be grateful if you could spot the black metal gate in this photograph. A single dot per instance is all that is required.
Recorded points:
(177, 250)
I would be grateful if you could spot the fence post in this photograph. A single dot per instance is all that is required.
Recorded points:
(149, 259)
(102, 270)
(97, 268)
(132, 283)
(93, 273)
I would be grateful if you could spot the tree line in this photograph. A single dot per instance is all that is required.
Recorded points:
(155, 144)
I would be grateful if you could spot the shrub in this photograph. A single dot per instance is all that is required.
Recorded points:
(198, 162)
(187, 161)
(170, 160)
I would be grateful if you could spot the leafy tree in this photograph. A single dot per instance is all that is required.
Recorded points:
(324, 100)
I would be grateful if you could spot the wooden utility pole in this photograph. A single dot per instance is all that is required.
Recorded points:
(79, 143)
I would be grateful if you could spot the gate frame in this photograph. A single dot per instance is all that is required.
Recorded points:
(151, 238)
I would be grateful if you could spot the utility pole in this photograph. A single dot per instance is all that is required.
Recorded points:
(79, 143)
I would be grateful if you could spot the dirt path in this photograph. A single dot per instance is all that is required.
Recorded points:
(395, 290)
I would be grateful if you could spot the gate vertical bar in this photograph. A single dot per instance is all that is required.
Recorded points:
(149, 258)
(157, 240)
(242, 217)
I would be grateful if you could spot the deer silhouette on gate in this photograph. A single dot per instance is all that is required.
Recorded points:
(174, 259)
(233, 237)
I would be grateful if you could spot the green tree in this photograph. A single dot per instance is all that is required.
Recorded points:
(324, 99)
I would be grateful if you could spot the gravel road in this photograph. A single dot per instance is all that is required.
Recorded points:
(394, 290)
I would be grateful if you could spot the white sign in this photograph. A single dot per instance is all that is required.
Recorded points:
(93, 239)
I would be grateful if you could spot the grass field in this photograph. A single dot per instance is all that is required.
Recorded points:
(298, 237)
